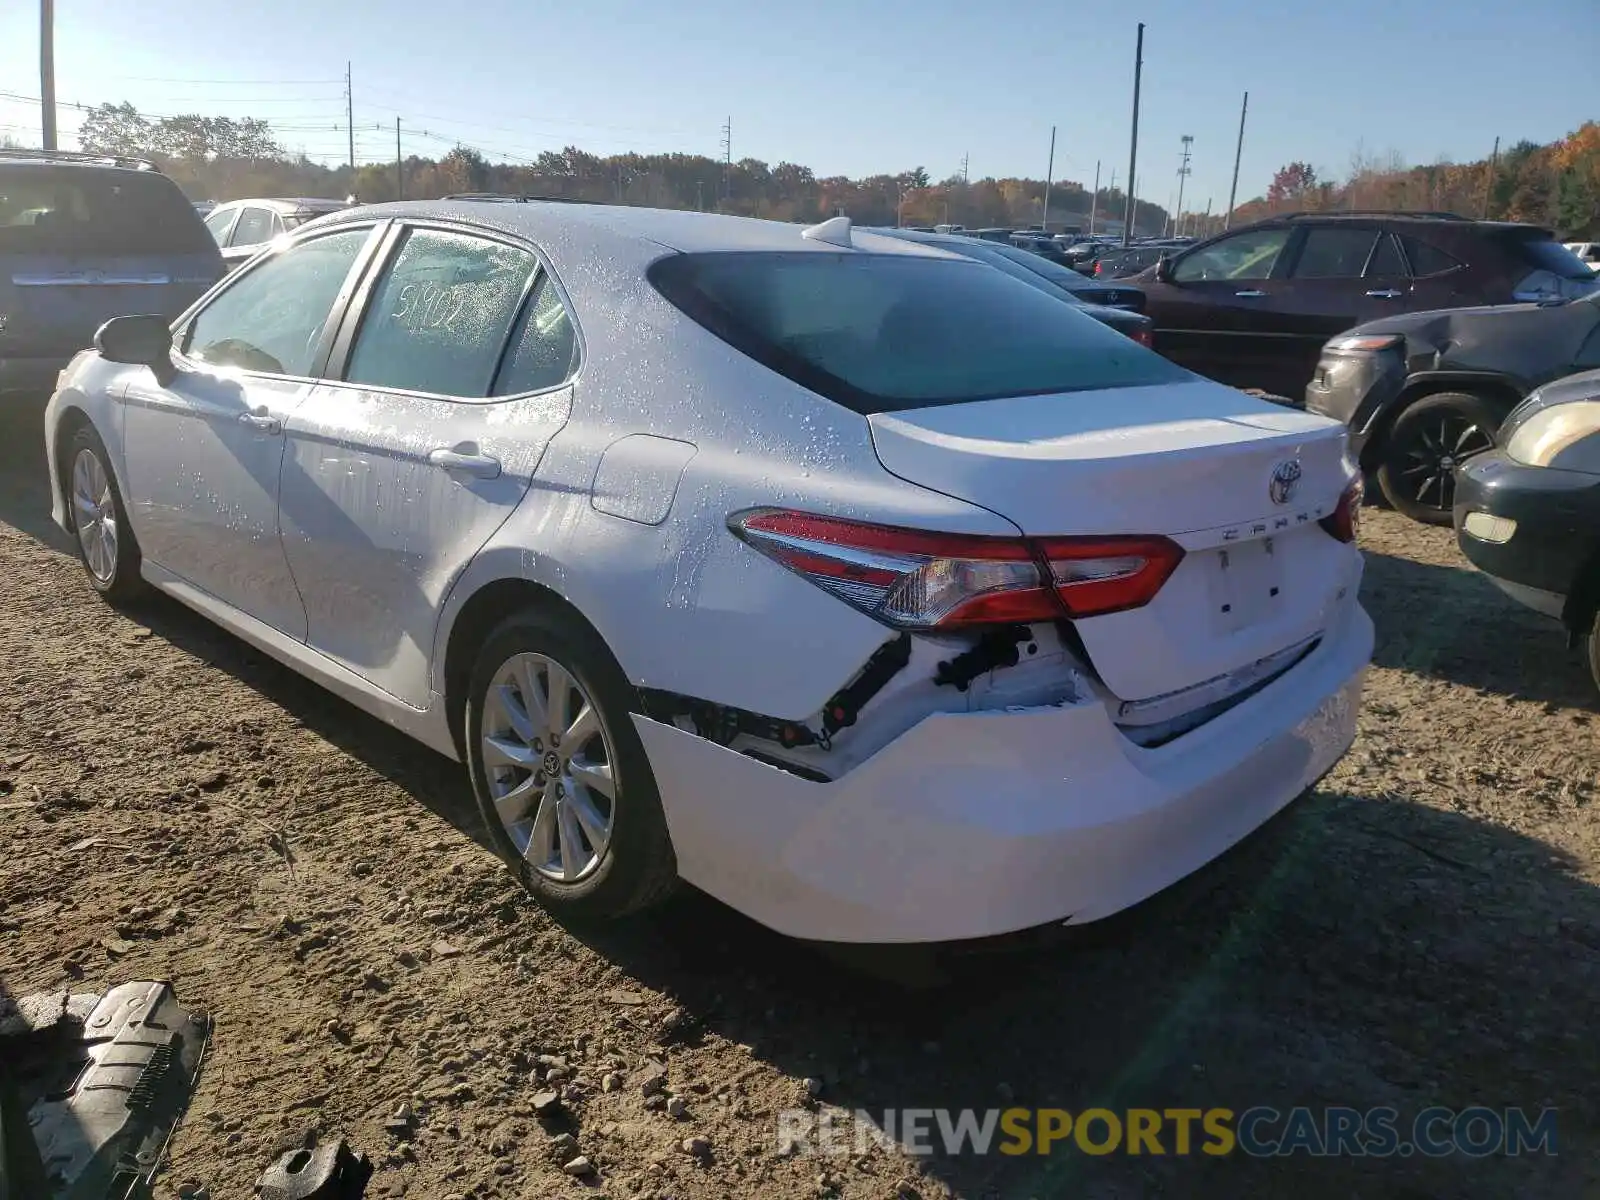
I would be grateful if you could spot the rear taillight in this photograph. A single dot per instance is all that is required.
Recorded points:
(1345, 520)
(1097, 270)
(1144, 337)
(915, 579)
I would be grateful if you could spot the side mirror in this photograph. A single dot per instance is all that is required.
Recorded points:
(1164, 269)
(142, 341)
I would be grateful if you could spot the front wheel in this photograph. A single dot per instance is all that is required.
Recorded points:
(1416, 467)
(559, 772)
(106, 546)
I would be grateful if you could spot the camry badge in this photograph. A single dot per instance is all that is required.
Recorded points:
(1285, 478)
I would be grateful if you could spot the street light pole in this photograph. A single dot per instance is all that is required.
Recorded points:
(1049, 173)
(1238, 150)
(47, 72)
(1133, 140)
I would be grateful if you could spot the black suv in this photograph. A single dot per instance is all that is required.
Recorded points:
(84, 239)
(1253, 306)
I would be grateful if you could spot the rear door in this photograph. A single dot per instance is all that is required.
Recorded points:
(455, 368)
(1327, 290)
(82, 244)
(1216, 314)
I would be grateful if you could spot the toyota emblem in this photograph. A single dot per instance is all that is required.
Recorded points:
(1285, 479)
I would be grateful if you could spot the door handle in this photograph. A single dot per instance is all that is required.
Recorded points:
(466, 460)
(262, 422)
(1251, 294)
(1386, 293)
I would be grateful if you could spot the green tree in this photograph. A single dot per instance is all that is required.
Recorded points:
(115, 129)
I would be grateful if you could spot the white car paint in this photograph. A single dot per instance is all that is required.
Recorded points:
(950, 813)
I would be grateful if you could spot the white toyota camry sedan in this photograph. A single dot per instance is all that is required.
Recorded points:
(851, 581)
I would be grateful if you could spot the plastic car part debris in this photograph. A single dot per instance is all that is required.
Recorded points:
(329, 1171)
(103, 1080)
(994, 650)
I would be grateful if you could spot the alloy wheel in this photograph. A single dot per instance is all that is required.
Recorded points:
(550, 765)
(94, 514)
(1433, 454)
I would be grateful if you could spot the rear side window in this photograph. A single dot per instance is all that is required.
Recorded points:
(439, 317)
(880, 332)
(1427, 260)
(1334, 252)
(84, 210)
(1386, 260)
(254, 227)
(546, 345)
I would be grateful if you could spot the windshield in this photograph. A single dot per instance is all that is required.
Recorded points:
(79, 210)
(881, 332)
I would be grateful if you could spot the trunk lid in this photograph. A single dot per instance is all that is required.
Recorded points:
(54, 303)
(1194, 461)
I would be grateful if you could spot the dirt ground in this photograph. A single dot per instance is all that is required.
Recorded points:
(1422, 929)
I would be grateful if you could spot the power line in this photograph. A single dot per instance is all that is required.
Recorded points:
(230, 82)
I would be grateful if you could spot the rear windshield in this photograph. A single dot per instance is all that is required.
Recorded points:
(60, 210)
(881, 332)
(1550, 255)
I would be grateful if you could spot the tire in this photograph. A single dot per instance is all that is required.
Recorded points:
(551, 838)
(1424, 445)
(99, 518)
(1594, 650)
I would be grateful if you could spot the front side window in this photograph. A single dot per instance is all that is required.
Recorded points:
(1250, 255)
(438, 319)
(254, 227)
(1334, 252)
(272, 318)
(884, 332)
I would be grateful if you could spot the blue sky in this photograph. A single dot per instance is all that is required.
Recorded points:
(845, 87)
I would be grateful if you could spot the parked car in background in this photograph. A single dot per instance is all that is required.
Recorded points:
(1114, 262)
(1528, 513)
(204, 207)
(1424, 391)
(242, 227)
(85, 238)
(1116, 307)
(1588, 252)
(539, 483)
(1254, 306)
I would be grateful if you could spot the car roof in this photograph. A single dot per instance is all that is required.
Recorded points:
(10, 156)
(547, 221)
(289, 203)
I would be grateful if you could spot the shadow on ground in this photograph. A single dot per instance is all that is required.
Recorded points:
(1451, 623)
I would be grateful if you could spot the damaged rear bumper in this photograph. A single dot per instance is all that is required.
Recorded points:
(974, 824)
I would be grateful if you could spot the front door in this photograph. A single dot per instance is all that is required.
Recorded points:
(454, 383)
(1215, 314)
(205, 453)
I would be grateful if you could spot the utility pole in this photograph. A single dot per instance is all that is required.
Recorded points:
(699, 195)
(727, 162)
(1133, 139)
(47, 72)
(1205, 224)
(399, 165)
(1094, 204)
(1233, 190)
(1048, 173)
(1183, 177)
(964, 158)
(350, 123)
(1488, 183)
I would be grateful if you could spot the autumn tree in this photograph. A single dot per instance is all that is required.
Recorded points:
(1291, 184)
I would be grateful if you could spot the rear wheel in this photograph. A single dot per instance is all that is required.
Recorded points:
(559, 772)
(106, 547)
(1594, 649)
(1424, 446)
